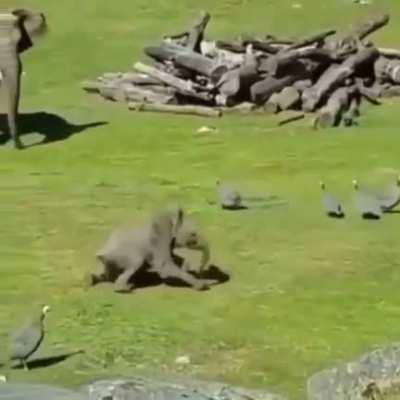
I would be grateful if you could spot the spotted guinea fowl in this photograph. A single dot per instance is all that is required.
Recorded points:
(389, 197)
(331, 204)
(28, 339)
(230, 198)
(366, 202)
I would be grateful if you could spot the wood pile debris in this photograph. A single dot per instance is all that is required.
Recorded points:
(327, 74)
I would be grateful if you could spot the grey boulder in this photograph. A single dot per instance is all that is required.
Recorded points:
(144, 389)
(374, 374)
(22, 391)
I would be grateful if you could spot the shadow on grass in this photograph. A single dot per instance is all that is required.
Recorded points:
(145, 278)
(49, 361)
(54, 127)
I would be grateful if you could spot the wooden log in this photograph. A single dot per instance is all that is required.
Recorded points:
(387, 70)
(261, 91)
(330, 114)
(366, 28)
(183, 57)
(230, 46)
(241, 108)
(371, 94)
(272, 106)
(389, 53)
(202, 65)
(127, 92)
(288, 117)
(302, 84)
(279, 63)
(353, 112)
(139, 79)
(229, 59)
(196, 34)
(193, 37)
(113, 93)
(260, 45)
(92, 86)
(335, 76)
(390, 91)
(358, 33)
(184, 87)
(312, 39)
(237, 82)
(111, 76)
(134, 93)
(289, 97)
(163, 52)
(208, 48)
(175, 109)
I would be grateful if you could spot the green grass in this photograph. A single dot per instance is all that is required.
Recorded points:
(306, 292)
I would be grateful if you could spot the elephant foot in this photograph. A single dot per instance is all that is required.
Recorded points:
(119, 288)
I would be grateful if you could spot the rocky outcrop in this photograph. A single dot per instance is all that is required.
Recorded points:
(374, 374)
(146, 389)
(22, 391)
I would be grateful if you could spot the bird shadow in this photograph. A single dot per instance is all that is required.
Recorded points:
(234, 208)
(370, 216)
(336, 215)
(53, 127)
(49, 361)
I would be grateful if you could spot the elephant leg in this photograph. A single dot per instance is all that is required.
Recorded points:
(11, 84)
(171, 271)
(123, 284)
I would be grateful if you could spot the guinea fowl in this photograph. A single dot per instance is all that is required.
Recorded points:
(332, 206)
(366, 202)
(389, 198)
(28, 339)
(230, 199)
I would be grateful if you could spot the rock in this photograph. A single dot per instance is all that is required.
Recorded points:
(21, 391)
(183, 360)
(206, 129)
(144, 389)
(353, 381)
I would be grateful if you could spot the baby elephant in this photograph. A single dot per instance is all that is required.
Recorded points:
(151, 246)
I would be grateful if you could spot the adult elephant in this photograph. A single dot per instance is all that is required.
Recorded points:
(17, 30)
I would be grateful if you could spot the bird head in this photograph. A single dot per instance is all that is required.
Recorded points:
(45, 310)
(322, 184)
(355, 184)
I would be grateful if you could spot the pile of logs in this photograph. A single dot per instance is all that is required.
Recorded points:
(327, 74)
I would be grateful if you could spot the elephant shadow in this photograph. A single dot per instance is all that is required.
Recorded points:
(145, 279)
(53, 127)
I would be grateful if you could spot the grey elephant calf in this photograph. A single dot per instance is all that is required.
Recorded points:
(17, 30)
(151, 246)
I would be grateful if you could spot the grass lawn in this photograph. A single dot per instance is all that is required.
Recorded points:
(306, 292)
